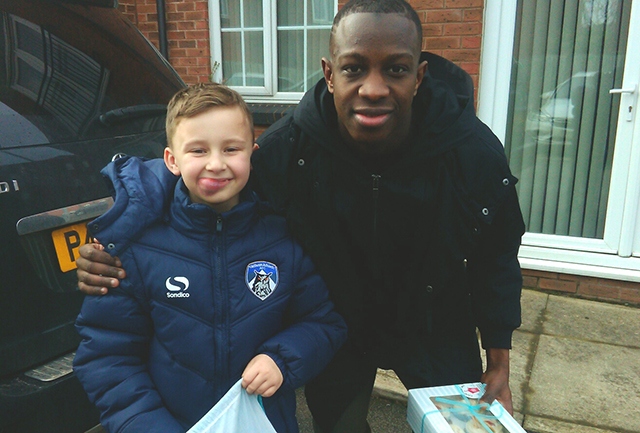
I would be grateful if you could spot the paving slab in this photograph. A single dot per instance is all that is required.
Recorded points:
(533, 306)
(593, 321)
(533, 424)
(587, 383)
(521, 360)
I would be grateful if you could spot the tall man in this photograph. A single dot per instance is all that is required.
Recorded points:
(405, 201)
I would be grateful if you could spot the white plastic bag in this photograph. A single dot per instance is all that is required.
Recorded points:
(236, 412)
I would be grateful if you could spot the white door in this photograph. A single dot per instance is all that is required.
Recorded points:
(568, 121)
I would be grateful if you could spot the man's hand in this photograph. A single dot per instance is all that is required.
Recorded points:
(95, 267)
(262, 376)
(497, 379)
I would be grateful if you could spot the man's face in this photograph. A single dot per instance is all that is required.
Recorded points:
(373, 75)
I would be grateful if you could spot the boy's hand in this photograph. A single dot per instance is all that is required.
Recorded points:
(95, 267)
(262, 376)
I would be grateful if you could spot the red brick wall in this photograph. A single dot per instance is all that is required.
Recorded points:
(623, 292)
(451, 28)
(187, 25)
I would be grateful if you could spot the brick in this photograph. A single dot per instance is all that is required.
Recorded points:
(196, 52)
(176, 35)
(631, 296)
(146, 9)
(176, 16)
(196, 34)
(186, 44)
(446, 16)
(427, 4)
(432, 30)
(530, 282)
(202, 24)
(600, 292)
(459, 56)
(541, 274)
(185, 61)
(442, 43)
(198, 70)
(460, 4)
(202, 6)
(184, 25)
(185, 7)
(181, 70)
(175, 52)
(558, 285)
(189, 79)
(463, 29)
(624, 284)
(196, 15)
(471, 42)
(473, 15)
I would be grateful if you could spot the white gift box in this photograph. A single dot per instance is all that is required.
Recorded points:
(457, 409)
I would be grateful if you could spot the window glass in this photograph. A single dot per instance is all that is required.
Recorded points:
(290, 13)
(562, 121)
(298, 33)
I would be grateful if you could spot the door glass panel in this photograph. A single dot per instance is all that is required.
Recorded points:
(562, 120)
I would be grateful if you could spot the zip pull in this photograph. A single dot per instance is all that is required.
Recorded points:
(375, 181)
(219, 224)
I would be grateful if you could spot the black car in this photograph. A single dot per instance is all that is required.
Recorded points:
(79, 85)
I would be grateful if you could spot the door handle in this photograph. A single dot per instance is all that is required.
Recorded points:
(629, 91)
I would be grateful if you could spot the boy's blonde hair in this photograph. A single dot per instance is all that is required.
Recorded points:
(198, 98)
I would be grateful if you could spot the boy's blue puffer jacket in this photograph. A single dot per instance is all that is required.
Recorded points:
(160, 350)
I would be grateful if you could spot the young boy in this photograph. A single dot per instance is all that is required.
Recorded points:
(216, 289)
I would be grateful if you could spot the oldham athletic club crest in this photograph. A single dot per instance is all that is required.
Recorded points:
(261, 278)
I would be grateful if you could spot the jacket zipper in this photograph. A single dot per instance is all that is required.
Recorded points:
(375, 181)
(220, 307)
(375, 188)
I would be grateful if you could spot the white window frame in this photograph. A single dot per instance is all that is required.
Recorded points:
(617, 256)
(268, 93)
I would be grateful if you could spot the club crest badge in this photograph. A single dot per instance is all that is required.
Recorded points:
(261, 278)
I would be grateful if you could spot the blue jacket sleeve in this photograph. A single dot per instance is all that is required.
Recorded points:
(111, 365)
(316, 331)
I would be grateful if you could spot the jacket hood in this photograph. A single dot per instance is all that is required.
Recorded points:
(442, 109)
(141, 190)
(145, 192)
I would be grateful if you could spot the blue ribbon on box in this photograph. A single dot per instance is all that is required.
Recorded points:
(466, 407)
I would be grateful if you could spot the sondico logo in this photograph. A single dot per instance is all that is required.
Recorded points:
(177, 287)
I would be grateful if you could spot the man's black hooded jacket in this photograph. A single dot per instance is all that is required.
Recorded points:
(415, 249)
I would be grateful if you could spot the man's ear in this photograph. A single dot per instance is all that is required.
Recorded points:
(327, 70)
(422, 70)
(170, 161)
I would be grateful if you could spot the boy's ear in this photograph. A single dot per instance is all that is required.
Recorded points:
(170, 161)
(253, 149)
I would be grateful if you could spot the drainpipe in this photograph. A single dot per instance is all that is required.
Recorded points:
(162, 32)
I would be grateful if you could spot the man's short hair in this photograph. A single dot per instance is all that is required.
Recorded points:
(400, 7)
(198, 98)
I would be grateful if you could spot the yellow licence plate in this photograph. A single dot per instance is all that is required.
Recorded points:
(66, 241)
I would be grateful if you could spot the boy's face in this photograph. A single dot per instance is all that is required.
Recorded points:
(212, 152)
(373, 75)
